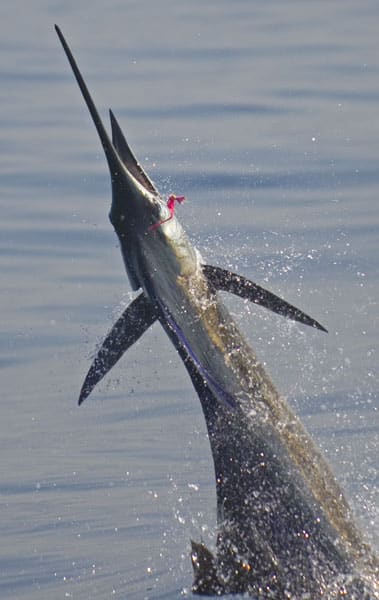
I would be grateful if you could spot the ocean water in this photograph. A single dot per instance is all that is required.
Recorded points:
(265, 116)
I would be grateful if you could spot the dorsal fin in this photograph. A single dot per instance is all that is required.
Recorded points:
(127, 156)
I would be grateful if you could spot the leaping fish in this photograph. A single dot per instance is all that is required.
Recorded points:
(285, 530)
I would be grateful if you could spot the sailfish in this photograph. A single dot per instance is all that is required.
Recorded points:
(284, 528)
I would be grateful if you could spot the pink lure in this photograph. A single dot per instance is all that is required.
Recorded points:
(171, 207)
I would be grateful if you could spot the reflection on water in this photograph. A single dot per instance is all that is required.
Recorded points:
(264, 116)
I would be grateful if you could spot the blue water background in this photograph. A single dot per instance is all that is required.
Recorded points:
(266, 117)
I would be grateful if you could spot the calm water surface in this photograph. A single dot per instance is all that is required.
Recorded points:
(266, 117)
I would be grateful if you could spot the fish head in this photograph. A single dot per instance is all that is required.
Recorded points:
(137, 207)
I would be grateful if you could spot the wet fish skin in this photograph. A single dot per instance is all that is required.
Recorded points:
(285, 529)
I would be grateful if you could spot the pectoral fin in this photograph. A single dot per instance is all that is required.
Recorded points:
(134, 321)
(225, 281)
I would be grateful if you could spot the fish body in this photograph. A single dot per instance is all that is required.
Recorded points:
(285, 529)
